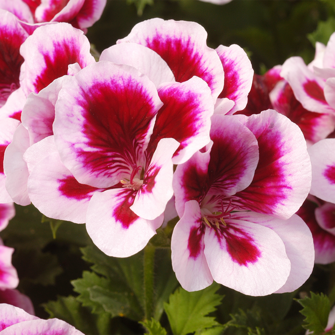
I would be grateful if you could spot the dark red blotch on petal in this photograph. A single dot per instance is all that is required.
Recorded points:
(329, 173)
(269, 187)
(240, 245)
(258, 98)
(71, 188)
(122, 212)
(56, 64)
(231, 79)
(195, 241)
(181, 57)
(2, 155)
(178, 118)
(149, 180)
(10, 60)
(117, 119)
(313, 89)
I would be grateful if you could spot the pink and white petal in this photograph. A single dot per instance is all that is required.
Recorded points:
(187, 247)
(170, 212)
(183, 46)
(11, 315)
(324, 242)
(284, 168)
(61, 196)
(48, 9)
(114, 228)
(331, 320)
(7, 130)
(298, 241)
(189, 105)
(217, 2)
(318, 58)
(247, 257)
(18, 8)
(238, 75)
(7, 212)
(45, 327)
(329, 91)
(89, 13)
(315, 126)
(323, 169)
(190, 180)
(47, 59)
(38, 151)
(104, 119)
(17, 299)
(8, 274)
(325, 216)
(307, 87)
(156, 190)
(12, 35)
(141, 58)
(234, 156)
(223, 106)
(38, 113)
(14, 105)
(15, 167)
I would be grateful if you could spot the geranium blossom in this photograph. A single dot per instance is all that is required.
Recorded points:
(220, 195)
(116, 136)
(80, 13)
(15, 321)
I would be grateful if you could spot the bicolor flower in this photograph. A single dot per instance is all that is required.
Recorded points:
(320, 218)
(15, 321)
(116, 143)
(80, 13)
(230, 229)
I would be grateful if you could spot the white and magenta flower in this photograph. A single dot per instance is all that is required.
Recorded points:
(80, 13)
(235, 199)
(117, 141)
(15, 321)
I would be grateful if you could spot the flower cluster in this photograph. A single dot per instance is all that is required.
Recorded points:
(162, 126)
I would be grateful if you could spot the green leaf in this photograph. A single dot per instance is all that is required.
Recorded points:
(316, 311)
(71, 311)
(120, 291)
(187, 311)
(323, 31)
(153, 327)
(211, 331)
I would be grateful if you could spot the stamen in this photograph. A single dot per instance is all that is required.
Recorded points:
(207, 222)
(223, 221)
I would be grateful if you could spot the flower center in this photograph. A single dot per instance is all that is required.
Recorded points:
(135, 181)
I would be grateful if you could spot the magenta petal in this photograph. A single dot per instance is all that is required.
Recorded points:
(8, 274)
(315, 126)
(238, 75)
(247, 257)
(7, 212)
(156, 190)
(14, 105)
(325, 216)
(11, 315)
(233, 158)
(323, 169)
(307, 87)
(114, 227)
(183, 46)
(187, 246)
(189, 105)
(47, 59)
(17, 299)
(12, 35)
(18, 8)
(104, 117)
(284, 169)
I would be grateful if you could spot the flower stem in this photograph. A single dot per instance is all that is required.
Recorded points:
(148, 280)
